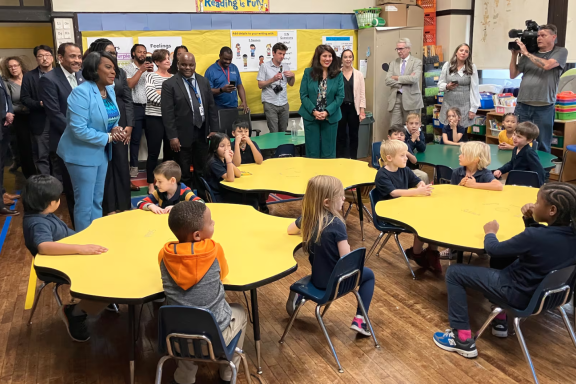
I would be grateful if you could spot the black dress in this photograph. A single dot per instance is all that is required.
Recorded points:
(117, 185)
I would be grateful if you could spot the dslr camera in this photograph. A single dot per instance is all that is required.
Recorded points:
(528, 37)
(277, 88)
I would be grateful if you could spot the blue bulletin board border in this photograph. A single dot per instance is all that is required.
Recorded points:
(203, 21)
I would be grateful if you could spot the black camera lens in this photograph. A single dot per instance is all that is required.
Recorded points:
(514, 33)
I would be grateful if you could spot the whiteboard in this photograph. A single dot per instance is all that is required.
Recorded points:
(492, 21)
(571, 32)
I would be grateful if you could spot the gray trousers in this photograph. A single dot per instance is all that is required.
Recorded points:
(276, 117)
(399, 114)
(41, 150)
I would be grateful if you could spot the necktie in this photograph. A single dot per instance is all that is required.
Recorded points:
(72, 81)
(195, 105)
(403, 68)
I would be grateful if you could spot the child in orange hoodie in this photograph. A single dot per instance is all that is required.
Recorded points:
(192, 269)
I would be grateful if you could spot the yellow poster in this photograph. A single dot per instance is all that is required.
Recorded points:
(235, 6)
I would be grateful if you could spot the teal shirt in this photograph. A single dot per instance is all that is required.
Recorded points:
(309, 94)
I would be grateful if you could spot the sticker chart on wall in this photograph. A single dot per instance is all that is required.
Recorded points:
(251, 49)
(339, 43)
(230, 6)
(123, 46)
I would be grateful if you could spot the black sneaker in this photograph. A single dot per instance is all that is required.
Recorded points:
(500, 327)
(76, 325)
(451, 343)
(292, 302)
(419, 259)
(113, 308)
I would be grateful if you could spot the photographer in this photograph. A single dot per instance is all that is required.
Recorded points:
(539, 86)
(273, 79)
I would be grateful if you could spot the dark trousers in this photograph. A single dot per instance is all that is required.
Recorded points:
(117, 184)
(501, 262)
(139, 126)
(543, 117)
(167, 152)
(350, 120)
(41, 150)
(23, 146)
(4, 149)
(154, 135)
(366, 289)
(60, 168)
(485, 280)
(195, 155)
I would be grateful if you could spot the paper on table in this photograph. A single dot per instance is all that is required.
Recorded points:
(364, 67)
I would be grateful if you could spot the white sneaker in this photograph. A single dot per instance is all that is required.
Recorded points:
(133, 172)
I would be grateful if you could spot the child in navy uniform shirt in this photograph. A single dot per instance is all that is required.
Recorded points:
(326, 241)
(524, 157)
(42, 229)
(398, 132)
(394, 180)
(245, 150)
(474, 158)
(453, 133)
(540, 250)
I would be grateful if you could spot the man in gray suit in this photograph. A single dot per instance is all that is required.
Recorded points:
(404, 77)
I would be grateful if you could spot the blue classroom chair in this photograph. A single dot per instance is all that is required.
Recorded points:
(191, 333)
(209, 195)
(376, 154)
(442, 174)
(388, 229)
(552, 293)
(344, 279)
(523, 178)
(285, 150)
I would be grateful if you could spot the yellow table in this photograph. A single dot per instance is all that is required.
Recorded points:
(128, 273)
(454, 216)
(290, 175)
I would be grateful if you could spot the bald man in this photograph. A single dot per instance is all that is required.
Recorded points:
(190, 116)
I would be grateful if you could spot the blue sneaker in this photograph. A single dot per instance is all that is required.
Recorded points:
(449, 342)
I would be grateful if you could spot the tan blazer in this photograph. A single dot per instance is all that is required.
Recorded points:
(410, 85)
(359, 90)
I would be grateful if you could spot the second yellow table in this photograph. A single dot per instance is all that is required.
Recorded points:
(290, 175)
(454, 216)
(257, 254)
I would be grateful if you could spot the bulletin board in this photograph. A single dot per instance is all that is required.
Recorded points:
(205, 45)
(492, 21)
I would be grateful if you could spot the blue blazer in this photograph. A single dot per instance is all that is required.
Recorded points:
(309, 94)
(86, 135)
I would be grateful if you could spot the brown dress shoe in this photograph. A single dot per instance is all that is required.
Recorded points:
(8, 202)
(8, 212)
(11, 197)
(134, 187)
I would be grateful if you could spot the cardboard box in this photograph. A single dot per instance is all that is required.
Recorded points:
(406, 2)
(394, 14)
(415, 16)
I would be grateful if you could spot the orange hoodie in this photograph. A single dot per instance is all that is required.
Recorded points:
(187, 263)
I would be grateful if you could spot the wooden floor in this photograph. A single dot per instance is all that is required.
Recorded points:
(405, 314)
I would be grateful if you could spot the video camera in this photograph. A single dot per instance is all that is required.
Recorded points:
(528, 37)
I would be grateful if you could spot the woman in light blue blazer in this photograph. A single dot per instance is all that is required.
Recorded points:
(85, 145)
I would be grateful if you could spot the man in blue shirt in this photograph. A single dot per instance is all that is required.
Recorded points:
(226, 83)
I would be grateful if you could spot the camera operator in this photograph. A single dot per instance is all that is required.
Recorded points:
(273, 79)
(542, 70)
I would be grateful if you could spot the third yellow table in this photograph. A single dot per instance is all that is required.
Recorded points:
(290, 175)
(257, 254)
(454, 216)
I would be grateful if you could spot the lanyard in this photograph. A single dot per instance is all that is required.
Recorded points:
(195, 92)
(226, 74)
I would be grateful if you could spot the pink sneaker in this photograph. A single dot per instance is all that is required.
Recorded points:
(360, 326)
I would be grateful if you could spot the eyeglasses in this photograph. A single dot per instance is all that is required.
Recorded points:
(44, 56)
(400, 49)
(14, 66)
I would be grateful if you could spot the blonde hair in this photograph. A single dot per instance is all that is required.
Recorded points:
(390, 148)
(412, 115)
(314, 212)
(477, 149)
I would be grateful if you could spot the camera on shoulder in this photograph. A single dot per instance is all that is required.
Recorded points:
(528, 37)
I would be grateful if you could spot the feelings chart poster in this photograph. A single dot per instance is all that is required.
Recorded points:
(251, 49)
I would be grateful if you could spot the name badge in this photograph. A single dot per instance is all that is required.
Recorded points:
(201, 110)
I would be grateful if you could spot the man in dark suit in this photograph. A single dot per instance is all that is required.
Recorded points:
(54, 89)
(189, 115)
(6, 118)
(39, 125)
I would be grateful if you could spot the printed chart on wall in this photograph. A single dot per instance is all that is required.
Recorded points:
(339, 43)
(123, 46)
(161, 42)
(251, 49)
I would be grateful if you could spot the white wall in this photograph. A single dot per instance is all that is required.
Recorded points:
(451, 31)
(187, 6)
(571, 32)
